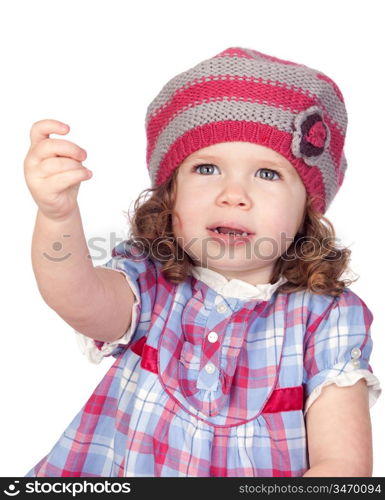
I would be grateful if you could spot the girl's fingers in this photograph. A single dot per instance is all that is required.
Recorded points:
(60, 182)
(40, 130)
(50, 148)
(53, 166)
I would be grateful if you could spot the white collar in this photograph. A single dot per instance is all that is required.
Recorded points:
(235, 287)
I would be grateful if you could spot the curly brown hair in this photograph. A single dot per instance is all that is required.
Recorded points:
(313, 261)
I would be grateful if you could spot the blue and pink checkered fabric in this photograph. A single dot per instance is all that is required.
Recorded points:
(179, 402)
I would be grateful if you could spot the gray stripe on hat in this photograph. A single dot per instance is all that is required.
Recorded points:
(301, 78)
(327, 169)
(344, 164)
(330, 178)
(229, 110)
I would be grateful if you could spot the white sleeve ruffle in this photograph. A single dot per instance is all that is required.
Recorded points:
(87, 344)
(346, 379)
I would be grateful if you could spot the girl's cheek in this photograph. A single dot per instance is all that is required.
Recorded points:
(282, 230)
(176, 223)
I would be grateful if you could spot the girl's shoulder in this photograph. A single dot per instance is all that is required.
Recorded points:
(347, 307)
(130, 249)
(321, 301)
(131, 253)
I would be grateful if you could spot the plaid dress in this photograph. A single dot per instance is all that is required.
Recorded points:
(209, 384)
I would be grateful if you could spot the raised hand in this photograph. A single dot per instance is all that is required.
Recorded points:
(53, 169)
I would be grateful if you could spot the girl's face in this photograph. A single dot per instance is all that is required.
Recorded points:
(245, 187)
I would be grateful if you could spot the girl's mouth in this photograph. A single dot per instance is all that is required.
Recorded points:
(229, 235)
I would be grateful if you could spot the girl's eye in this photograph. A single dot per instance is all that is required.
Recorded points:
(205, 165)
(268, 174)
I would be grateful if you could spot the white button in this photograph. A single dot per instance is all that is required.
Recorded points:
(221, 308)
(356, 363)
(355, 353)
(210, 368)
(213, 337)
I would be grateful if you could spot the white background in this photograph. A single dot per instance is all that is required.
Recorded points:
(96, 65)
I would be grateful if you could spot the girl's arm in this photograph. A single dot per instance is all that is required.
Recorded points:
(339, 433)
(94, 301)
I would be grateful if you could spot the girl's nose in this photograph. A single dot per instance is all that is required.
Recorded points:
(234, 195)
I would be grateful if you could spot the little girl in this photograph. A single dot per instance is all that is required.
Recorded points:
(239, 349)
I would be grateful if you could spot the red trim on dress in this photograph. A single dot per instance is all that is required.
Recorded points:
(283, 399)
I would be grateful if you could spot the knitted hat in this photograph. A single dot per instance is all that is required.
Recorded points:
(244, 95)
